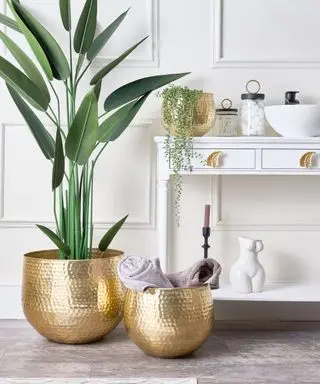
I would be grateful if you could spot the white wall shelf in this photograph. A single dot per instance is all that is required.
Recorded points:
(294, 292)
(243, 156)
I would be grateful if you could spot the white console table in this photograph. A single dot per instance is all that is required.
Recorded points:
(242, 156)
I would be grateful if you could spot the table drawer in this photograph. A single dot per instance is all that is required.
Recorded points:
(226, 158)
(290, 158)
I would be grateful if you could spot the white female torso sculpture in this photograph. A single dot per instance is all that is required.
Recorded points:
(247, 274)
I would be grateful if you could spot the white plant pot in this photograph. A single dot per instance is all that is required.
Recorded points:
(247, 274)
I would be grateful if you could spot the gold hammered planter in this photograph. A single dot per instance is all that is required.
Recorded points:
(169, 323)
(72, 301)
(204, 118)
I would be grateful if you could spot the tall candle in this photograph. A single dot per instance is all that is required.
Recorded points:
(207, 208)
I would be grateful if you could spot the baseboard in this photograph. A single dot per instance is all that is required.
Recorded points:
(10, 302)
(261, 325)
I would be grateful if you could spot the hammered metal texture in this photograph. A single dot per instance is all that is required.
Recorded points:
(169, 322)
(72, 301)
(204, 117)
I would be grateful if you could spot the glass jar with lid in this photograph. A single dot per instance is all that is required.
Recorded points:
(252, 115)
(226, 120)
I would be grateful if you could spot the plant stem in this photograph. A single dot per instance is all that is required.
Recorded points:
(70, 56)
(62, 221)
(99, 153)
(88, 202)
(84, 247)
(62, 214)
(66, 218)
(52, 119)
(71, 218)
(57, 125)
(58, 104)
(68, 88)
(101, 116)
(54, 115)
(68, 104)
(82, 74)
(91, 208)
(55, 213)
(77, 218)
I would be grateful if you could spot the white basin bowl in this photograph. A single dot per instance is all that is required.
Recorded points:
(301, 120)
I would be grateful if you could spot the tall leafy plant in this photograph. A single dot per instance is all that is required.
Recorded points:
(77, 144)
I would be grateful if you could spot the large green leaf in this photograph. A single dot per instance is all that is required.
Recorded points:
(101, 40)
(86, 27)
(116, 124)
(82, 136)
(21, 83)
(58, 62)
(109, 236)
(59, 163)
(132, 91)
(42, 136)
(26, 64)
(8, 22)
(108, 68)
(34, 44)
(65, 14)
(55, 239)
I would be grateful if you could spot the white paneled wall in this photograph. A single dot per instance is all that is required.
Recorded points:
(224, 43)
(266, 33)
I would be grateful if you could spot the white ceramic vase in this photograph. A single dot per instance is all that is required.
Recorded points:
(247, 274)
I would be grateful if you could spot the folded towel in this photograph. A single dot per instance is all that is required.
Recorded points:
(138, 273)
(203, 272)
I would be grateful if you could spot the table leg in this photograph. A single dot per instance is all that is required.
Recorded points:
(162, 222)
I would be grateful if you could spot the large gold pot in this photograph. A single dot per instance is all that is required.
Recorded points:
(72, 301)
(169, 322)
(204, 119)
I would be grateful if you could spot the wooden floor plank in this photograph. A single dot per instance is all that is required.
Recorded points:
(230, 356)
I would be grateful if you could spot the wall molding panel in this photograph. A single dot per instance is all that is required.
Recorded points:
(218, 223)
(147, 223)
(151, 59)
(217, 46)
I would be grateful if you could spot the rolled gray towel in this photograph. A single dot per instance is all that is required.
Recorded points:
(139, 273)
(206, 271)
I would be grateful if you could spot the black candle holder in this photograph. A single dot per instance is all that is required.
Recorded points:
(206, 232)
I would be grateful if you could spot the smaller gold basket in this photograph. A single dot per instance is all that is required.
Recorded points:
(170, 322)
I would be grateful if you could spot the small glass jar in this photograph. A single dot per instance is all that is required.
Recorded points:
(226, 120)
(252, 115)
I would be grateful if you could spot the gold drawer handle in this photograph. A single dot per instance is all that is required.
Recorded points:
(306, 160)
(214, 159)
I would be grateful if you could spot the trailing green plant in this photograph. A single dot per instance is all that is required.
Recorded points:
(178, 114)
(79, 141)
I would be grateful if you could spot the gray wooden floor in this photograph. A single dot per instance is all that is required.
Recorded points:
(229, 357)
